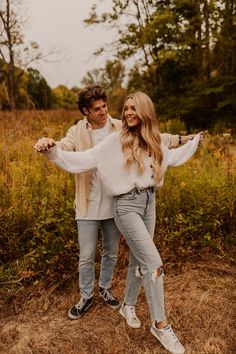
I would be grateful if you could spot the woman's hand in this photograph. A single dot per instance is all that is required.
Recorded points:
(186, 138)
(44, 144)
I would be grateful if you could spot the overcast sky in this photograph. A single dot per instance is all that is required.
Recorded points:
(59, 23)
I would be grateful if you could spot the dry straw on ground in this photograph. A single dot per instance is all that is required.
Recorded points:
(200, 302)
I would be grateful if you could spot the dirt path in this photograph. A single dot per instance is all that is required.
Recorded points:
(200, 302)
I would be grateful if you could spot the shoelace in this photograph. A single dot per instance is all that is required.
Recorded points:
(173, 337)
(132, 311)
(80, 304)
(107, 295)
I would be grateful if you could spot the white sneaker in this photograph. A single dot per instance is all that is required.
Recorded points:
(168, 339)
(128, 312)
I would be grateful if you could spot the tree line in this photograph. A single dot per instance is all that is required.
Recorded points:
(22, 86)
(183, 54)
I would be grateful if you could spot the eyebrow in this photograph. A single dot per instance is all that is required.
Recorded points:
(133, 107)
(100, 106)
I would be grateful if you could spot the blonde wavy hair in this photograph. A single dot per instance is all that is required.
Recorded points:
(143, 140)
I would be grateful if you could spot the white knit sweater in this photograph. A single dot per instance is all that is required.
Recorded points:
(109, 160)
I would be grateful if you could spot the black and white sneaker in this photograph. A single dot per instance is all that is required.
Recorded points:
(108, 298)
(80, 309)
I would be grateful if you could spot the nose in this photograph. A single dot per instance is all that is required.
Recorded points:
(128, 111)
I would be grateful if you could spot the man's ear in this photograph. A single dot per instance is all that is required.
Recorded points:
(86, 111)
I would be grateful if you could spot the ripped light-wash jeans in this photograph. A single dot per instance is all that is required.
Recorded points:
(135, 216)
(88, 236)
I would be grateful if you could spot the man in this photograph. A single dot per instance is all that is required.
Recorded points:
(93, 206)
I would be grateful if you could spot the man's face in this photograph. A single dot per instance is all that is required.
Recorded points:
(97, 115)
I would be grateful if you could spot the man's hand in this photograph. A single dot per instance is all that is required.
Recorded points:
(44, 144)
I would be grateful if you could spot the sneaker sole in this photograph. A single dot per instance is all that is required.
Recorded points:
(73, 317)
(165, 346)
(138, 325)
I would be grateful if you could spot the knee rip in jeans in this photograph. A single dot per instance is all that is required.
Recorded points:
(138, 272)
(157, 273)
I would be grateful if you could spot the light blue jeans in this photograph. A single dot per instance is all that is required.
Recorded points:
(135, 216)
(87, 236)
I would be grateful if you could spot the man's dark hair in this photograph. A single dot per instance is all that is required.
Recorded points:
(88, 95)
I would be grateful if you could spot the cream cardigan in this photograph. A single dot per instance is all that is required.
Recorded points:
(108, 159)
(79, 138)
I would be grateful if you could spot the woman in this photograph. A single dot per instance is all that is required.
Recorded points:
(132, 164)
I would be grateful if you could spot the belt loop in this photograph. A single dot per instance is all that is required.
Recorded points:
(137, 190)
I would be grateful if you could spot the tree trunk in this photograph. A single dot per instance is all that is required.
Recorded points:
(198, 50)
(207, 56)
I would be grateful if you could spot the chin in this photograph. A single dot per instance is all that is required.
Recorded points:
(103, 121)
(132, 127)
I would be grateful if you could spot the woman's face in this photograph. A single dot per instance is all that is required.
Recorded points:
(130, 114)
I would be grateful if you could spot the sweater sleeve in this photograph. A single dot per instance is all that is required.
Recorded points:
(179, 156)
(74, 162)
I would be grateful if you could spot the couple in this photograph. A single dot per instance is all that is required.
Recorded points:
(130, 164)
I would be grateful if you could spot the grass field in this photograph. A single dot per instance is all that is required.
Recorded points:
(195, 234)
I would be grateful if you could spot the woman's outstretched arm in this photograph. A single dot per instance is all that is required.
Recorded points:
(179, 156)
(70, 161)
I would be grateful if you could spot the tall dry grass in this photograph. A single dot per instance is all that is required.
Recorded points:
(195, 208)
(36, 208)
